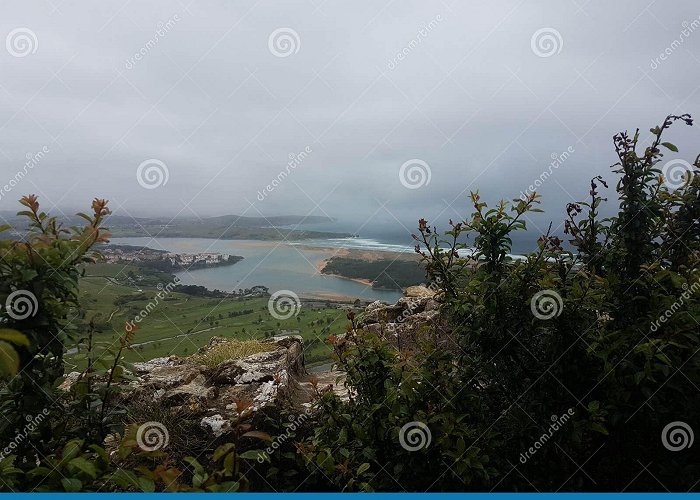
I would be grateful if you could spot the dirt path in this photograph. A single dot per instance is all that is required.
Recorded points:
(113, 313)
(175, 336)
(323, 380)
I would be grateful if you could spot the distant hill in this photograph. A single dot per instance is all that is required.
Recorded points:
(231, 227)
(275, 221)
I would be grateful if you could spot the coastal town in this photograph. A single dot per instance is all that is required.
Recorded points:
(164, 260)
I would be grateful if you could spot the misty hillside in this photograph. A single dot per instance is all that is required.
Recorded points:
(223, 227)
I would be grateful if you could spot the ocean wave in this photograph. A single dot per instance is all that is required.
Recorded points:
(356, 243)
(375, 245)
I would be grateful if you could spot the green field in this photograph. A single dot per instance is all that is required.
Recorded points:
(112, 294)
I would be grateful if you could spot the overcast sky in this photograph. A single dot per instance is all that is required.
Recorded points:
(221, 93)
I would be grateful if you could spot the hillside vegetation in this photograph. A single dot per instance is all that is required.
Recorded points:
(389, 273)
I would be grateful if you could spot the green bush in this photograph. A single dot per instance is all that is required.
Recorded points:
(569, 363)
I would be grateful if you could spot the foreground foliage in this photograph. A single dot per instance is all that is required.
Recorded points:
(568, 365)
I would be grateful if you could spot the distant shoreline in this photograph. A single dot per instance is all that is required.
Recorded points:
(259, 234)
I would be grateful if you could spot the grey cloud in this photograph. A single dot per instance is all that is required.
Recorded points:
(211, 101)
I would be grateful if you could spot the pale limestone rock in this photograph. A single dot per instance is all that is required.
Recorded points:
(402, 323)
(69, 380)
(419, 291)
(217, 424)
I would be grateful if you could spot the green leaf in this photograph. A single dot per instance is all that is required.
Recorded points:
(599, 428)
(362, 468)
(39, 472)
(71, 484)
(71, 450)
(670, 146)
(196, 466)
(100, 452)
(252, 454)
(223, 450)
(9, 360)
(229, 462)
(14, 337)
(125, 479)
(258, 434)
(84, 466)
(146, 485)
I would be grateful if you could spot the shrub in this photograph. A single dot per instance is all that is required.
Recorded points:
(571, 362)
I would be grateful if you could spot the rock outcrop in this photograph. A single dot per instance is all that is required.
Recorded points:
(218, 395)
(222, 393)
(402, 323)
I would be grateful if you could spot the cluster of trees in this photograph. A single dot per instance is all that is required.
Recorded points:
(383, 273)
(202, 291)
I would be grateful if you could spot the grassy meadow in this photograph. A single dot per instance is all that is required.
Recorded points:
(112, 294)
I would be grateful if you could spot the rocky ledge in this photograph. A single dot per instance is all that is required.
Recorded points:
(227, 391)
(220, 395)
(401, 324)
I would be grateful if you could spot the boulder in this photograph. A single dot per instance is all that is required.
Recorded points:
(419, 291)
(379, 312)
(402, 323)
(216, 424)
